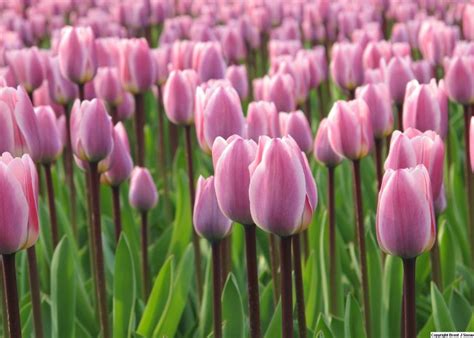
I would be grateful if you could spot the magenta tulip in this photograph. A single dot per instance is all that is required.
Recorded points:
(237, 76)
(323, 151)
(178, 96)
(61, 90)
(346, 65)
(49, 134)
(468, 22)
(26, 67)
(412, 233)
(121, 163)
(397, 74)
(280, 89)
(142, 194)
(459, 79)
(107, 85)
(208, 61)
(262, 119)
(209, 222)
(296, 125)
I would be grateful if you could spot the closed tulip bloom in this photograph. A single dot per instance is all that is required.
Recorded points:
(61, 90)
(262, 119)
(296, 125)
(19, 218)
(323, 151)
(91, 130)
(208, 61)
(218, 113)
(440, 203)
(121, 163)
(280, 89)
(18, 128)
(49, 134)
(401, 154)
(136, 66)
(398, 73)
(421, 108)
(107, 85)
(126, 109)
(468, 22)
(77, 54)
(459, 79)
(350, 129)
(233, 44)
(377, 98)
(237, 76)
(162, 56)
(346, 65)
(374, 52)
(413, 232)
(209, 221)
(423, 71)
(436, 40)
(142, 194)
(26, 67)
(232, 158)
(286, 208)
(178, 96)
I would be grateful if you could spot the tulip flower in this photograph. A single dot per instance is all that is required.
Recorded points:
(61, 90)
(208, 61)
(20, 226)
(210, 223)
(296, 125)
(120, 168)
(92, 142)
(262, 119)
(178, 96)
(143, 196)
(468, 22)
(397, 73)
(237, 76)
(436, 40)
(281, 160)
(410, 234)
(26, 67)
(108, 88)
(77, 55)
(459, 79)
(346, 66)
(280, 90)
(351, 136)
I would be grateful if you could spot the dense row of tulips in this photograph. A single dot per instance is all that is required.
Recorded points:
(263, 88)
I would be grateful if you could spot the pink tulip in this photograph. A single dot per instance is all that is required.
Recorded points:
(77, 54)
(217, 113)
(26, 67)
(108, 52)
(280, 89)
(91, 130)
(136, 66)
(296, 125)
(346, 65)
(459, 79)
(398, 73)
(237, 76)
(412, 232)
(178, 96)
(61, 90)
(421, 108)
(142, 194)
(162, 56)
(377, 98)
(262, 119)
(350, 129)
(209, 222)
(232, 158)
(121, 163)
(107, 85)
(468, 22)
(208, 61)
(126, 109)
(436, 40)
(18, 127)
(440, 203)
(323, 151)
(401, 154)
(233, 44)
(376, 51)
(423, 71)
(19, 219)
(286, 208)
(49, 134)
(317, 64)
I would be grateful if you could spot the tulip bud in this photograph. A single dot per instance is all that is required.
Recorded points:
(218, 113)
(107, 85)
(237, 76)
(208, 61)
(423, 71)
(26, 67)
(413, 232)
(350, 129)
(468, 22)
(346, 65)
(280, 160)
(401, 154)
(77, 54)
(233, 44)
(142, 194)
(137, 66)
(280, 90)
(91, 130)
(49, 134)
(121, 163)
(61, 90)
(262, 119)
(436, 40)
(232, 178)
(296, 125)
(377, 98)
(459, 79)
(126, 109)
(178, 96)
(162, 57)
(397, 74)
(19, 218)
(323, 151)
(209, 222)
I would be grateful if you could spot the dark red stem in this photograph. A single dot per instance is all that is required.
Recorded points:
(286, 288)
(299, 286)
(139, 129)
(117, 215)
(216, 277)
(11, 291)
(252, 280)
(409, 297)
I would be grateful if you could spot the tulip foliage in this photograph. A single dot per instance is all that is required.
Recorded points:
(236, 169)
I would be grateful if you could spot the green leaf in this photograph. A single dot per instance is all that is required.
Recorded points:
(374, 265)
(274, 328)
(470, 326)
(460, 310)
(124, 289)
(322, 329)
(63, 291)
(441, 316)
(392, 297)
(157, 300)
(205, 312)
(353, 322)
(174, 307)
(232, 310)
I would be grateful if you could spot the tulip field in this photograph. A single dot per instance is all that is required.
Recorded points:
(252, 168)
